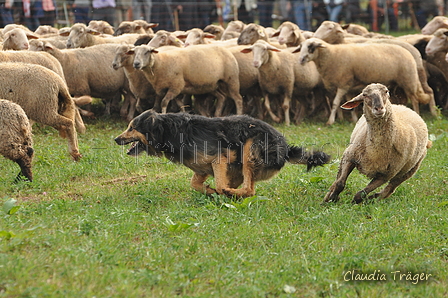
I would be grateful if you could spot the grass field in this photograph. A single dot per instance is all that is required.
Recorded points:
(114, 226)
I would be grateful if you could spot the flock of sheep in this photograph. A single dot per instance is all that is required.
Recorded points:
(282, 74)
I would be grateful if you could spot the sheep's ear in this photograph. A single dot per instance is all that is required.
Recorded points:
(209, 35)
(31, 36)
(64, 33)
(246, 50)
(297, 50)
(276, 33)
(138, 27)
(130, 52)
(345, 26)
(152, 25)
(93, 32)
(351, 104)
(48, 46)
(446, 33)
(261, 32)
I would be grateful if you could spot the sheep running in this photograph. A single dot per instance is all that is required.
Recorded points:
(44, 97)
(388, 144)
(16, 141)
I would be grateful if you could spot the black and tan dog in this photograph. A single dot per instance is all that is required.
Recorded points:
(235, 149)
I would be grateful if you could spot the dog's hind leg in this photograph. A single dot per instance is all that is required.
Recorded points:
(220, 173)
(248, 188)
(197, 182)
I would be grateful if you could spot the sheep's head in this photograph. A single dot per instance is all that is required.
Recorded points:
(308, 49)
(77, 35)
(251, 34)
(375, 97)
(143, 56)
(260, 50)
(330, 32)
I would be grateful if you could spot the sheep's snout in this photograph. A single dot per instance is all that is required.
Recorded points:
(281, 40)
(115, 66)
(303, 60)
(257, 64)
(137, 65)
(378, 111)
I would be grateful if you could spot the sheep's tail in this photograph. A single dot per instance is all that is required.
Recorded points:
(298, 155)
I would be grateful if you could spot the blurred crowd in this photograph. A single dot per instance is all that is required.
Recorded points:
(183, 14)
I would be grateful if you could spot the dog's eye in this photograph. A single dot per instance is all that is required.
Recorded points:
(131, 128)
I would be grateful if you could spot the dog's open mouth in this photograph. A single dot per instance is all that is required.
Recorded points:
(136, 148)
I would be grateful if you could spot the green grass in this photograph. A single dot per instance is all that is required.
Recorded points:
(114, 226)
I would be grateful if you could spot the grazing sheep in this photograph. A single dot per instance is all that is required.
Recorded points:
(388, 144)
(136, 26)
(289, 34)
(16, 141)
(216, 30)
(355, 29)
(347, 66)
(101, 27)
(280, 73)
(17, 39)
(192, 70)
(44, 97)
(165, 38)
(80, 36)
(436, 23)
(89, 71)
(333, 33)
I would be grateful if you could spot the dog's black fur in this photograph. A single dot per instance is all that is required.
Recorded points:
(235, 149)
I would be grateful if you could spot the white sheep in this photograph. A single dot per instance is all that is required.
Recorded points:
(88, 71)
(165, 38)
(44, 97)
(333, 33)
(80, 36)
(436, 23)
(279, 73)
(135, 26)
(289, 34)
(17, 39)
(345, 67)
(16, 141)
(193, 70)
(388, 144)
(233, 29)
(254, 32)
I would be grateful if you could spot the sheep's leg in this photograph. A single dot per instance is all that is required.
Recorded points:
(197, 182)
(336, 103)
(285, 107)
(166, 100)
(220, 100)
(267, 104)
(238, 99)
(395, 182)
(345, 169)
(248, 188)
(374, 184)
(66, 129)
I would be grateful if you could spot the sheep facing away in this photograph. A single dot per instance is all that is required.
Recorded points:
(345, 67)
(16, 141)
(387, 144)
(44, 97)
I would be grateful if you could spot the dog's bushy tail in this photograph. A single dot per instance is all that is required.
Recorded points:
(299, 155)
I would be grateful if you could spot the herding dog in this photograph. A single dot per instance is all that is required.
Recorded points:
(235, 149)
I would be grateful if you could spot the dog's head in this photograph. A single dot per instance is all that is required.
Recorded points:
(141, 133)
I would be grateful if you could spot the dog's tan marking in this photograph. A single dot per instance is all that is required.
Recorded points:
(220, 173)
(248, 188)
(197, 182)
(133, 135)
